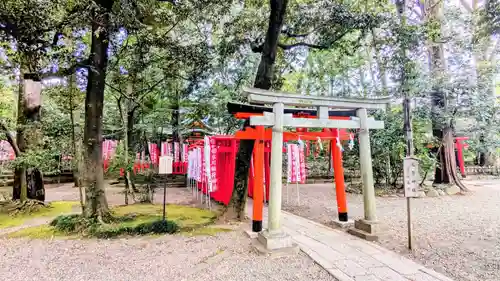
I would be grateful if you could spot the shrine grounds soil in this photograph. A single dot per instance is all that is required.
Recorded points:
(456, 235)
(225, 256)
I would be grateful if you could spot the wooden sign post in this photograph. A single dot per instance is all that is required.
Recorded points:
(165, 168)
(411, 185)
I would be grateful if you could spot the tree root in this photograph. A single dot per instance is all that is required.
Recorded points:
(17, 207)
(451, 165)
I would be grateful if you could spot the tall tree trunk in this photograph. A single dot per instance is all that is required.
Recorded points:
(263, 80)
(175, 124)
(484, 49)
(362, 78)
(75, 133)
(130, 129)
(438, 98)
(126, 127)
(28, 181)
(442, 125)
(381, 67)
(95, 196)
(77, 163)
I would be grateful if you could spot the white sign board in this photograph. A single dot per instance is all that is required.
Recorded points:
(411, 177)
(165, 166)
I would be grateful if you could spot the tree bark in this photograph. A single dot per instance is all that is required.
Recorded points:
(381, 67)
(439, 107)
(28, 181)
(264, 75)
(484, 50)
(130, 129)
(77, 163)
(96, 205)
(442, 125)
(263, 80)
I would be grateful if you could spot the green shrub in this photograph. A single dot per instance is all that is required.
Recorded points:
(76, 224)
(159, 226)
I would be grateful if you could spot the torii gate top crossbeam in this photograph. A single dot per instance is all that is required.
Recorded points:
(260, 96)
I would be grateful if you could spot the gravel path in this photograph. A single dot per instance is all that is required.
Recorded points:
(456, 235)
(227, 256)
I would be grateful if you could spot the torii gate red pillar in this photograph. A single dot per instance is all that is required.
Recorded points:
(258, 181)
(338, 171)
(460, 146)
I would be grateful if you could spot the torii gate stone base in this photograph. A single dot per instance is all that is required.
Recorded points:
(274, 237)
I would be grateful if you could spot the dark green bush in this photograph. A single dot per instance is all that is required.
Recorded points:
(92, 228)
(67, 223)
(159, 226)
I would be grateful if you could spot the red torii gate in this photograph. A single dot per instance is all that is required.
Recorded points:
(260, 134)
(460, 144)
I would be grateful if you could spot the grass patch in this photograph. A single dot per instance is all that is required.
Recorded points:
(51, 210)
(117, 226)
(186, 217)
(40, 232)
(136, 219)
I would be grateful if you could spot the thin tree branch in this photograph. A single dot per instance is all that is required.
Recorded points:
(302, 44)
(151, 88)
(117, 90)
(10, 138)
(292, 35)
(313, 46)
(67, 71)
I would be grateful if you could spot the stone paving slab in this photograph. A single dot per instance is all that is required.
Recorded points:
(349, 258)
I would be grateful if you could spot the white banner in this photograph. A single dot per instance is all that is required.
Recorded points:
(177, 152)
(188, 174)
(198, 164)
(296, 168)
(289, 162)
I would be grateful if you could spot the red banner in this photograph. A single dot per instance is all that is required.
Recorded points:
(153, 152)
(213, 164)
(185, 152)
(177, 152)
(296, 168)
(302, 163)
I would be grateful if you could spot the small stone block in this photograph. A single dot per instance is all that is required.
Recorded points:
(432, 193)
(452, 190)
(274, 241)
(288, 251)
(363, 234)
(369, 227)
(343, 224)
(251, 234)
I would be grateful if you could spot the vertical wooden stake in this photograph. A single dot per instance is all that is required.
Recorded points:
(339, 178)
(258, 181)
(410, 234)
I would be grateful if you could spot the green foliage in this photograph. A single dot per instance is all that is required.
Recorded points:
(43, 159)
(138, 219)
(118, 161)
(73, 224)
(388, 149)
